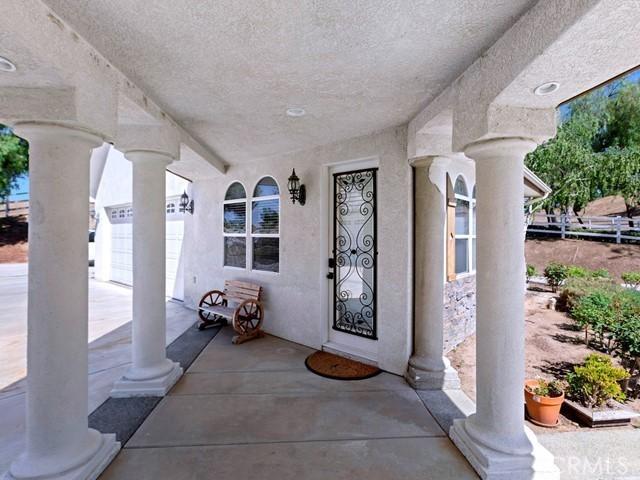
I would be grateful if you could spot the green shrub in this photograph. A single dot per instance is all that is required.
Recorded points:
(596, 381)
(574, 271)
(631, 278)
(531, 271)
(575, 288)
(555, 273)
(626, 330)
(595, 311)
(600, 273)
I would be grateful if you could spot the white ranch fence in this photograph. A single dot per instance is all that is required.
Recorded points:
(614, 228)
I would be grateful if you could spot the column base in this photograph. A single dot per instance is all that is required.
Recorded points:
(420, 377)
(89, 469)
(492, 464)
(150, 387)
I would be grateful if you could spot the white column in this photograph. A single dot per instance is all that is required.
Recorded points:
(151, 373)
(495, 439)
(428, 368)
(58, 441)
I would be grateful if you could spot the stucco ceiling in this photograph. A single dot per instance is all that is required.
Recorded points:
(227, 70)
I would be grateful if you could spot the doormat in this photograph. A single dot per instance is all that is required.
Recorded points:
(339, 368)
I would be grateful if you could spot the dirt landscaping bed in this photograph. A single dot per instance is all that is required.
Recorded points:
(616, 258)
(553, 347)
(13, 239)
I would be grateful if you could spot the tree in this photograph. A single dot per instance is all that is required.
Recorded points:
(621, 127)
(14, 160)
(596, 151)
(618, 146)
(620, 175)
(566, 162)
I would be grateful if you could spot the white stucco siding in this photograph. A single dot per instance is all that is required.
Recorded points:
(297, 298)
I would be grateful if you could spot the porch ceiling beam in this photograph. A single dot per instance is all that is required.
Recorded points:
(576, 43)
(34, 36)
(580, 44)
(427, 117)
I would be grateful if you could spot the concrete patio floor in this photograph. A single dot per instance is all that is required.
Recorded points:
(109, 347)
(254, 411)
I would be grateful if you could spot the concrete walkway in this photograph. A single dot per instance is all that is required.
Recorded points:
(254, 411)
(109, 347)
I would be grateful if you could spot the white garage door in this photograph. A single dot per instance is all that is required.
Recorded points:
(122, 249)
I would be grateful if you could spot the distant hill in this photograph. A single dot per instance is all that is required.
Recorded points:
(608, 206)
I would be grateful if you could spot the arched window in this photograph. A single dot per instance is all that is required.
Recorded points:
(235, 226)
(465, 233)
(265, 226)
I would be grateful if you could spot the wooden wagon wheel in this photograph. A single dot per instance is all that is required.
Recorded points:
(214, 298)
(248, 317)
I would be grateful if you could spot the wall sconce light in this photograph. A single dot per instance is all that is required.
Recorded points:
(185, 204)
(298, 192)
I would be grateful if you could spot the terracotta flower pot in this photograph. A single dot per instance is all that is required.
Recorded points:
(542, 410)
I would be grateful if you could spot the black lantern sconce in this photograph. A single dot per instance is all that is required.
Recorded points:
(298, 192)
(185, 204)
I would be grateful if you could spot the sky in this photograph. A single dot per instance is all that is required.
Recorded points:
(633, 77)
(22, 191)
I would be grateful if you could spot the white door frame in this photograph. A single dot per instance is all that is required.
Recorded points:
(339, 342)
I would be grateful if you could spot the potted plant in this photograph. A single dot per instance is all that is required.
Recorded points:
(544, 399)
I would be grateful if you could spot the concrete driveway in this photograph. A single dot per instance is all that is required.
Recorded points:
(109, 347)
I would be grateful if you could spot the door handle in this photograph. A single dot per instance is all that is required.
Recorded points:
(330, 275)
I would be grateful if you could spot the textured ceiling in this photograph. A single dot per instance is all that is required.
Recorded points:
(227, 70)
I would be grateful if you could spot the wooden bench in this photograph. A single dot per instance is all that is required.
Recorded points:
(245, 311)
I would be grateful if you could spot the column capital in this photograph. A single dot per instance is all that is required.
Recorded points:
(472, 125)
(93, 110)
(501, 147)
(162, 140)
(32, 130)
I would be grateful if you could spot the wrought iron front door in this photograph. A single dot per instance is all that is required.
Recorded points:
(355, 252)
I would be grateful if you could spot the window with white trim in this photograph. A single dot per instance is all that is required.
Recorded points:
(171, 207)
(265, 226)
(235, 226)
(114, 214)
(465, 228)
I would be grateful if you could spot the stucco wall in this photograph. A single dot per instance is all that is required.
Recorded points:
(459, 310)
(296, 299)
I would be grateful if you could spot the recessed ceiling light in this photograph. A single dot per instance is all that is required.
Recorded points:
(6, 65)
(546, 88)
(296, 111)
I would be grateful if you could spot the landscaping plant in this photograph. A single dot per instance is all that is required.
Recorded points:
(596, 381)
(574, 271)
(595, 312)
(632, 279)
(531, 271)
(555, 273)
(575, 288)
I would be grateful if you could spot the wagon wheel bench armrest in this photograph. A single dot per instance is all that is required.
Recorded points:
(246, 313)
